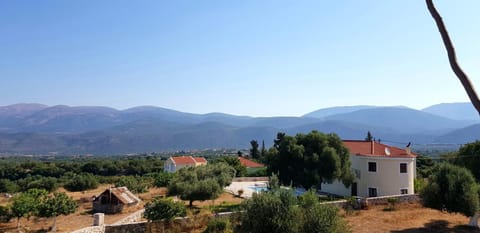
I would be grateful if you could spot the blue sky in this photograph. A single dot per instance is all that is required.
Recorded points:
(249, 57)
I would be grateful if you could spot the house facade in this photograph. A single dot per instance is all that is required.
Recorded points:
(379, 169)
(174, 164)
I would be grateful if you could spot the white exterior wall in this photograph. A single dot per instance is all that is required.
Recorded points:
(387, 179)
(337, 187)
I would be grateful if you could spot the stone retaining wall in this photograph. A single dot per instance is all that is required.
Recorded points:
(95, 229)
(135, 217)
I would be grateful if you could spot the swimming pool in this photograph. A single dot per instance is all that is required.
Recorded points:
(258, 189)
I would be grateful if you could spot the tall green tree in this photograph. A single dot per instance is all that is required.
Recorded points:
(26, 204)
(202, 182)
(254, 152)
(453, 188)
(309, 159)
(56, 205)
(263, 151)
(468, 156)
(369, 137)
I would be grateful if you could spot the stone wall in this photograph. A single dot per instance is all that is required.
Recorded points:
(96, 229)
(135, 217)
(401, 198)
(126, 228)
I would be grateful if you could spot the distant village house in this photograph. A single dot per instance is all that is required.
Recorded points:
(174, 164)
(114, 200)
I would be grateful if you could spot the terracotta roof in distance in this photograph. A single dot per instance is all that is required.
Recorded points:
(249, 163)
(188, 160)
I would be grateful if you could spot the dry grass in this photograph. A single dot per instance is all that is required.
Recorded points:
(408, 218)
(83, 217)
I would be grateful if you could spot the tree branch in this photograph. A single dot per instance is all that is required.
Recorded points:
(467, 85)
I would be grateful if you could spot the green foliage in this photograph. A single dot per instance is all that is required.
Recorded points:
(280, 211)
(257, 172)
(453, 188)
(26, 204)
(419, 184)
(254, 152)
(309, 160)
(164, 208)
(202, 182)
(240, 170)
(39, 182)
(81, 182)
(424, 166)
(57, 204)
(323, 219)
(136, 184)
(162, 179)
(469, 157)
(8, 186)
(392, 202)
(5, 214)
(219, 225)
(369, 137)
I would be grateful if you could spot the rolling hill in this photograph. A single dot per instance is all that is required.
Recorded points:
(40, 129)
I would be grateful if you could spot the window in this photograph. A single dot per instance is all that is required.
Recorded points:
(372, 167)
(403, 191)
(403, 168)
(372, 192)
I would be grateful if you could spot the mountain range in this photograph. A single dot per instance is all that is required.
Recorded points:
(42, 129)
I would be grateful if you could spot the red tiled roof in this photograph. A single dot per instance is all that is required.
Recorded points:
(366, 148)
(188, 160)
(183, 160)
(200, 159)
(249, 163)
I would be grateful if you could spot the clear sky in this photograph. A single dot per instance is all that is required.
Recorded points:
(244, 57)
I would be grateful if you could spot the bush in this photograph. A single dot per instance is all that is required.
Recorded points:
(163, 179)
(164, 208)
(136, 184)
(81, 183)
(452, 188)
(392, 201)
(219, 225)
(8, 186)
(5, 214)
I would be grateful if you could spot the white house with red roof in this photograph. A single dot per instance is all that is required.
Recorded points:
(174, 164)
(379, 169)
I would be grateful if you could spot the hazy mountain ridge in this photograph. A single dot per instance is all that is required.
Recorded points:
(39, 129)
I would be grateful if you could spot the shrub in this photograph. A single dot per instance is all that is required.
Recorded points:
(164, 208)
(81, 183)
(392, 201)
(219, 225)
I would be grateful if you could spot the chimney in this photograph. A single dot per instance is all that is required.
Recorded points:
(407, 149)
(372, 146)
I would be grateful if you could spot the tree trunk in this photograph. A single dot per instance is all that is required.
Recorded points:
(54, 226)
(18, 223)
(474, 220)
(190, 203)
(467, 85)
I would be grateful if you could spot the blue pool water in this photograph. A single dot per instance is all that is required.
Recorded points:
(258, 188)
